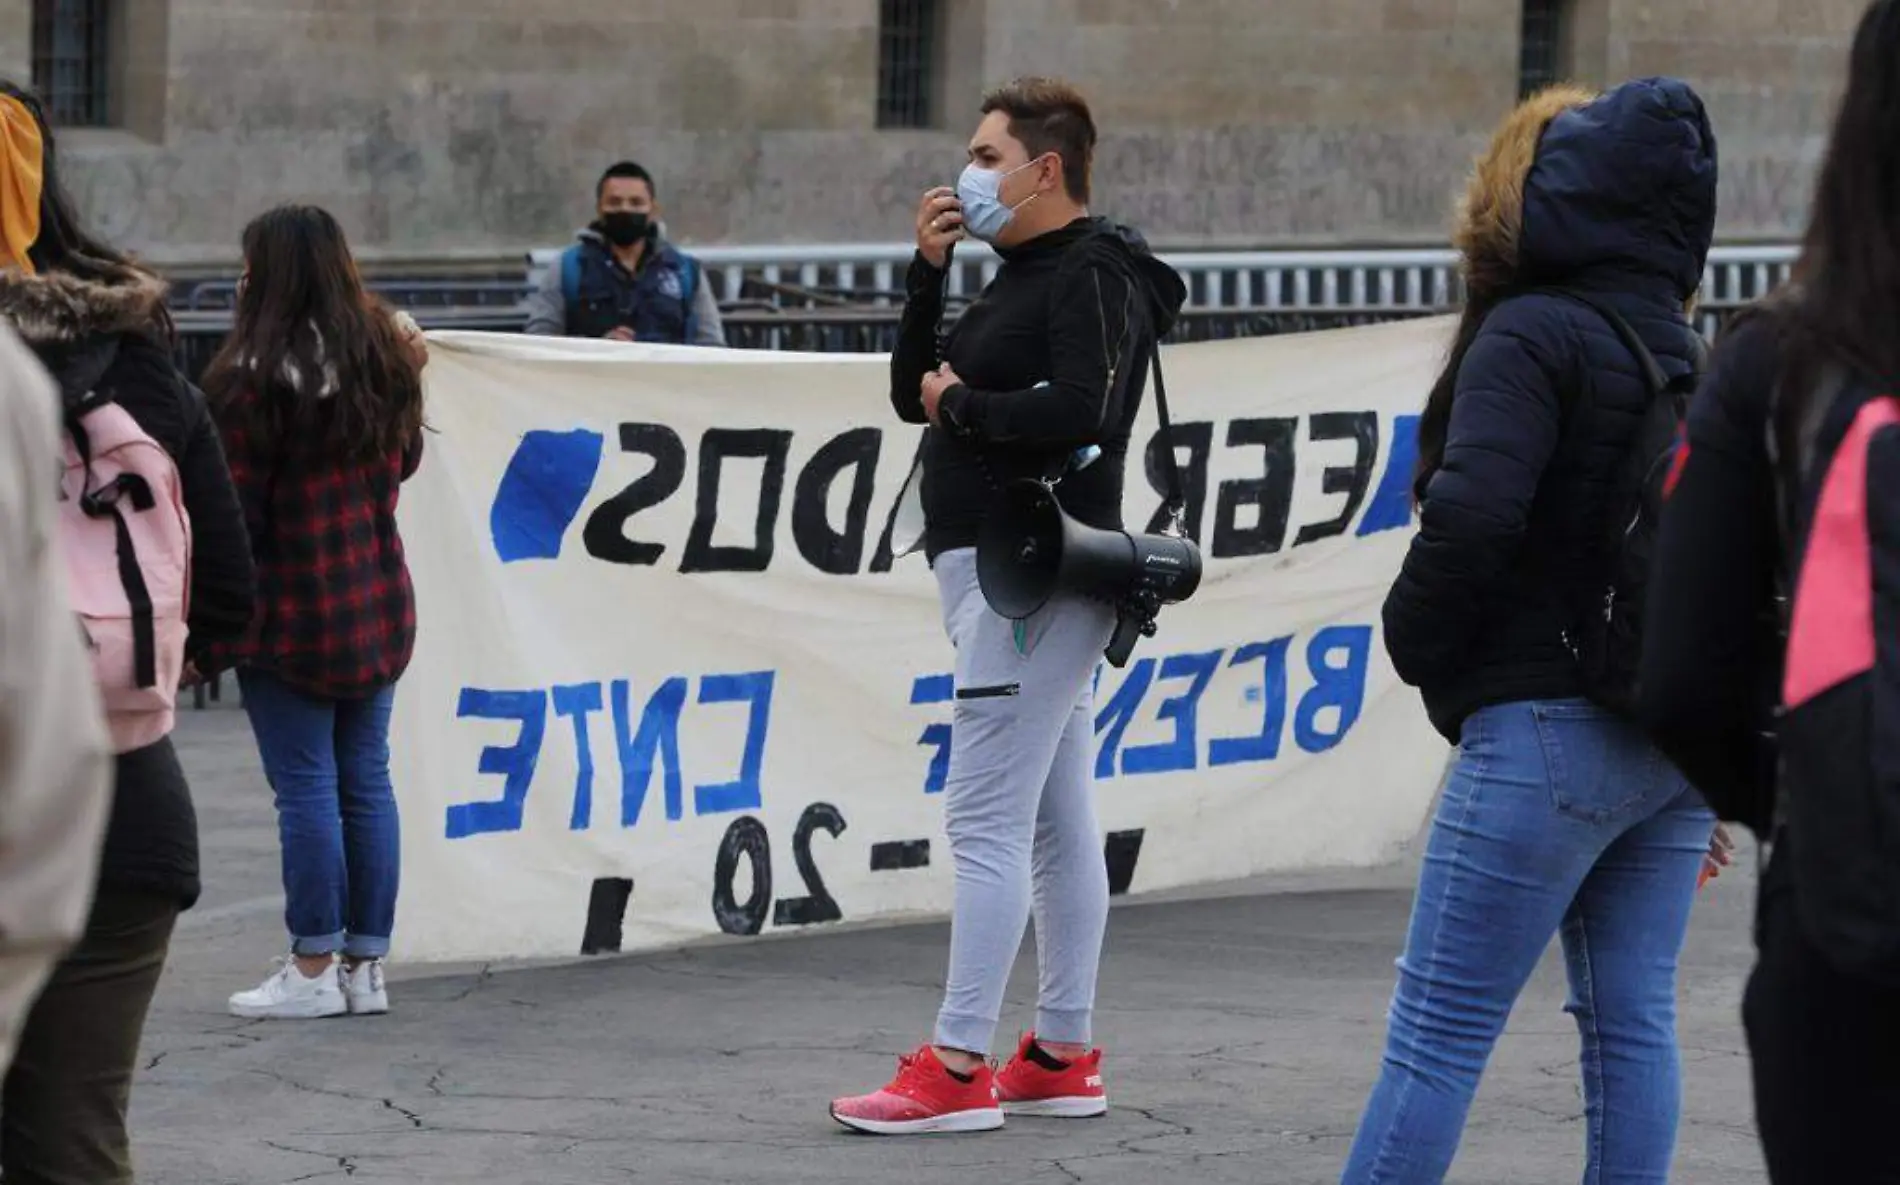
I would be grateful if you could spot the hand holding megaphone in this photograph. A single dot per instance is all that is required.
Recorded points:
(939, 224)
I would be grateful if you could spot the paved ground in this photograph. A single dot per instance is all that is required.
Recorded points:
(1243, 1033)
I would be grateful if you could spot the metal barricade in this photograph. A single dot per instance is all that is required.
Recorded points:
(1402, 281)
(846, 297)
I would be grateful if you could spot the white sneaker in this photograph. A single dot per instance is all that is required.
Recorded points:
(288, 995)
(364, 988)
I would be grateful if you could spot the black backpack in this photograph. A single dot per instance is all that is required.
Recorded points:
(1607, 634)
(1838, 493)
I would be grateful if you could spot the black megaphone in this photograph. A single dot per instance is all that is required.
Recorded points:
(1030, 549)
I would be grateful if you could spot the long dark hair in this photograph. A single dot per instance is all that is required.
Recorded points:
(321, 357)
(63, 244)
(1845, 299)
(1435, 423)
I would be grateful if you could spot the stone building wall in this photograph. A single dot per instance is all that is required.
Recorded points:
(445, 128)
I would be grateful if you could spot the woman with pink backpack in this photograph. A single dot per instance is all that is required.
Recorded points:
(153, 540)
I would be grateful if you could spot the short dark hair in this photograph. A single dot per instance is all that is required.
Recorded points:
(1050, 115)
(625, 170)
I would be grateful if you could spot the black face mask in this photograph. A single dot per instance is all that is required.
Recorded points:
(624, 228)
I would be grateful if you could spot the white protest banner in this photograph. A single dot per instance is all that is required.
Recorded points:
(669, 680)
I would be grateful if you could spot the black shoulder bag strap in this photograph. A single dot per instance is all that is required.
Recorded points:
(1787, 471)
(1175, 495)
(1653, 376)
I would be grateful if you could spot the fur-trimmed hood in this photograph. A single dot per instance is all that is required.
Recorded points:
(56, 311)
(1574, 184)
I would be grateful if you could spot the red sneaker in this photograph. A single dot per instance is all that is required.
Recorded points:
(1027, 1087)
(924, 1097)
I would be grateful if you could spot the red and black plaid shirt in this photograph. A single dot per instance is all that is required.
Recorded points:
(336, 613)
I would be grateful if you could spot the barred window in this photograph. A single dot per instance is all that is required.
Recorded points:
(906, 62)
(1539, 62)
(69, 59)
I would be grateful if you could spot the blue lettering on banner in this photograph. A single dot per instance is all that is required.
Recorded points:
(540, 493)
(754, 689)
(515, 763)
(1183, 709)
(1265, 744)
(1340, 685)
(1337, 660)
(935, 689)
(657, 739)
(576, 702)
(652, 741)
(1119, 713)
(1391, 505)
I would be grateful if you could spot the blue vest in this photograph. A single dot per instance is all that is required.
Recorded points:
(657, 303)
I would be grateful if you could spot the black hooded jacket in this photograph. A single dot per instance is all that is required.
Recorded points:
(1616, 198)
(1053, 356)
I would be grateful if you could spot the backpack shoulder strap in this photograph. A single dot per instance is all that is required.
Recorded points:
(689, 294)
(80, 395)
(1653, 376)
(128, 492)
(571, 275)
(1788, 466)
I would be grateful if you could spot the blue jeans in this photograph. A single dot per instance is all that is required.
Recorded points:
(1557, 818)
(328, 764)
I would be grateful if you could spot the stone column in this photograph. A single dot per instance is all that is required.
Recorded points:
(16, 40)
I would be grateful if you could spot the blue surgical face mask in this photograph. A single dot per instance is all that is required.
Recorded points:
(981, 192)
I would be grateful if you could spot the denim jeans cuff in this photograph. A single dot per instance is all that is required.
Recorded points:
(322, 944)
(357, 946)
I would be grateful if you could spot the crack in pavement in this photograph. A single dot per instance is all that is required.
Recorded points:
(1122, 1149)
(344, 1164)
(1561, 1116)
(686, 967)
(414, 1119)
(868, 1047)
(571, 1142)
(388, 1104)
(434, 1087)
(1148, 1113)
(1317, 1135)
(482, 976)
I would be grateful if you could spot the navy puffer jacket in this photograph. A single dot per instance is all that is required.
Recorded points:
(1615, 197)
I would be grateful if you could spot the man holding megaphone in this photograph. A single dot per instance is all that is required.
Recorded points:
(1031, 398)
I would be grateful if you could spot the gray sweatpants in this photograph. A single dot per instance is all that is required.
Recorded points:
(1019, 807)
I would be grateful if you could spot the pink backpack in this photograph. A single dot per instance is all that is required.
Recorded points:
(127, 544)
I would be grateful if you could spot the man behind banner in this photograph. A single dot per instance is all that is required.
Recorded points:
(1027, 386)
(622, 280)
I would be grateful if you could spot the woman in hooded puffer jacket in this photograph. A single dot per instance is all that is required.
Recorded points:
(1559, 816)
(318, 393)
(97, 322)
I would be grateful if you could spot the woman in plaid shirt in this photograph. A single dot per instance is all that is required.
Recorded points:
(318, 396)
